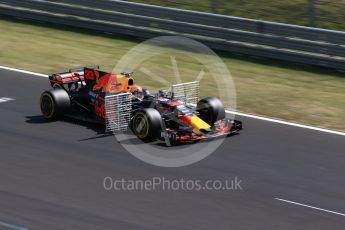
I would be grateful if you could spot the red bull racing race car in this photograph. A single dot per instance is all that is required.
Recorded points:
(174, 116)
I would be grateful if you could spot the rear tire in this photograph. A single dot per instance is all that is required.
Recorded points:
(211, 109)
(146, 124)
(54, 103)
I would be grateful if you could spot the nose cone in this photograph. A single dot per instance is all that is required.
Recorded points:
(196, 122)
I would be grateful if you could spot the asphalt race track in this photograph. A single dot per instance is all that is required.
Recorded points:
(51, 175)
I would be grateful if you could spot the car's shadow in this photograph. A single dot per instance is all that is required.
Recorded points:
(39, 119)
(99, 129)
(100, 132)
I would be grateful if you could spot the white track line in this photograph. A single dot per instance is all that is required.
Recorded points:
(286, 123)
(23, 71)
(6, 99)
(228, 111)
(11, 226)
(308, 206)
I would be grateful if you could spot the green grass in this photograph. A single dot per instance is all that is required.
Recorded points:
(288, 91)
(330, 14)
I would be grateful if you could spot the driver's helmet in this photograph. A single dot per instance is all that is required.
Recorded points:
(137, 91)
(147, 93)
(136, 88)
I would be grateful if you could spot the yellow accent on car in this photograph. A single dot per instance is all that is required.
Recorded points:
(198, 123)
(50, 115)
(145, 125)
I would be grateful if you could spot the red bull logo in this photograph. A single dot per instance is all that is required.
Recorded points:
(107, 83)
(90, 74)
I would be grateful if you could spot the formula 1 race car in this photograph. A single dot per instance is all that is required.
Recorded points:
(176, 115)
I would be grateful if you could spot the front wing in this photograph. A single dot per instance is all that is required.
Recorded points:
(221, 128)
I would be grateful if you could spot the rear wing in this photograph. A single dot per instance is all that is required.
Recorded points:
(70, 76)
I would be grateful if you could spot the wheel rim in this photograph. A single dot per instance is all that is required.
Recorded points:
(141, 126)
(46, 106)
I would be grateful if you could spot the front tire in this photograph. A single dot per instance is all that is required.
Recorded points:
(54, 103)
(211, 110)
(146, 124)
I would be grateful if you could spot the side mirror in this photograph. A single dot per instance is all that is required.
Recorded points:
(127, 73)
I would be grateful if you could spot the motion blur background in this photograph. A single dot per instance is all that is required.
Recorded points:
(52, 173)
(283, 71)
(328, 14)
